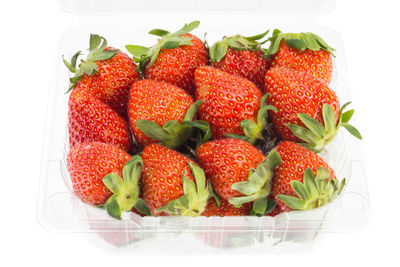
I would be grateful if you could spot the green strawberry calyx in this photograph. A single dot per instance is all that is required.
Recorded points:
(238, 42)
(146, 56)
(195, 198)
(97, 51)
(258, 184)
(125, 191)
(263, 206)
(300, 41)
(315, 191)
(174, 134)
(316, 135)
(253, 130)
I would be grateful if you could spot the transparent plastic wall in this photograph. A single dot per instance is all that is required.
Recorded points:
(127, 22)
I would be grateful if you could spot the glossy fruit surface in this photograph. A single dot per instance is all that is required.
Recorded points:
(88, 164)
(295, 160)
(229, 99)
(91, 120)
(226, 162)
(293, 92)
(156, 101)
(162, 175)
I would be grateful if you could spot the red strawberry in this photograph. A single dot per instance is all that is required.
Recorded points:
(160, 111)
(90, 119)
(231, 104)
(225, 209)
(238, 171)
(295, 185)
(172, 183)
(174, 58)
(303, 52)
(96, 170)
(242, 56)
(107, 74)
(302, 100)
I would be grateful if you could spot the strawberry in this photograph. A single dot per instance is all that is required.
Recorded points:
(302, 100)
(224, 208)
(172, 183)
(238, 171)
(90, 120)
(232, 104)
(160, 111)
(242, 56)
(107, 74)
(96, 169)
(303, 52)
(302, 180)
(174, 58)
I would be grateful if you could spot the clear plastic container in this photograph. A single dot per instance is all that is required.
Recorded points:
(127, 22)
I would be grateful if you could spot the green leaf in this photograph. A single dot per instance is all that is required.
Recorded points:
(132, 170)
(171, 44)
(303, 133)
(250, 128)
(137, 50)
(104, 55)
(246, 188)
(94, 41)
(260, 205)
(188, 186)
(328, 115)
(199, 176)
(309, 182)
(192, 110)
(352, 130)
(218, 51)
(297, 44)
(312, 124)
(188, 27)
(237, 202)
(152, 130)
(347, 116)
(112, 207)
(271, 204)
(232, 43)
(292, 202)
(258, 36)
(68, 65)
(300, 189)
(74, 60)
(158, 32)
(142, 207)
(113, 182)
(322, 173)
(90, 68)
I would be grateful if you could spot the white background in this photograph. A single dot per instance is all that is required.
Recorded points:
(30, 32)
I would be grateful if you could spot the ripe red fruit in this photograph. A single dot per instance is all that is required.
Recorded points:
(241, 56)
(302, 100)
(238, 171)
(91, 120)
(160, 111)
(230, 102)
(295, 185)
(225, 209)
(303, 52)
(174, 58)
(106, 74)
(96, 169)
(172, 183)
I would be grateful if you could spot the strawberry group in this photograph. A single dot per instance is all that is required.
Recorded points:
(227, 130)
